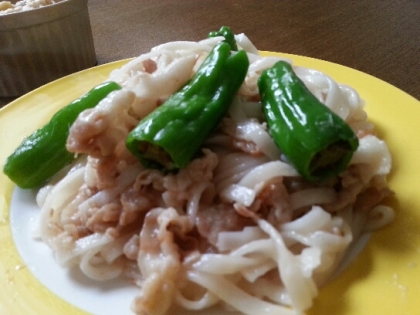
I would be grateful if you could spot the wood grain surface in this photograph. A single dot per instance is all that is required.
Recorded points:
(379, 37)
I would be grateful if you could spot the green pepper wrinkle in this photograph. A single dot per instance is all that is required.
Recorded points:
(44, 153)
(314, 139)
(170, 136)
(227, 33)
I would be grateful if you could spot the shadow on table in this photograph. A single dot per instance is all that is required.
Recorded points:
(6, 100)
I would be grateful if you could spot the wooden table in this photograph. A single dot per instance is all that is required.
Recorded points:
(379, 37)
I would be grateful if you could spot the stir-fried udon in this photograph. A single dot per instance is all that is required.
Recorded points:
(238, 228)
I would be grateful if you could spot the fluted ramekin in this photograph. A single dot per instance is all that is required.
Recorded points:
(44, 44)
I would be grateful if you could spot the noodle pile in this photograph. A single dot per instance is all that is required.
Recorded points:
(238, 228)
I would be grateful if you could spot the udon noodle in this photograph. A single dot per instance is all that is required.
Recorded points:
(237, 228)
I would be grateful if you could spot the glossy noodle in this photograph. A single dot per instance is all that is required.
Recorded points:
(238, 228)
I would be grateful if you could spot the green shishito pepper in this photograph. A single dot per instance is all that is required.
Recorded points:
(227, 33)
(170, 136)
(44, 153)
(314, 139)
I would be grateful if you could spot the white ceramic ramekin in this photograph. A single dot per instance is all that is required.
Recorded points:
(41, 45)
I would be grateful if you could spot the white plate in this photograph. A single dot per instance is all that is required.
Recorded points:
(383, 279)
